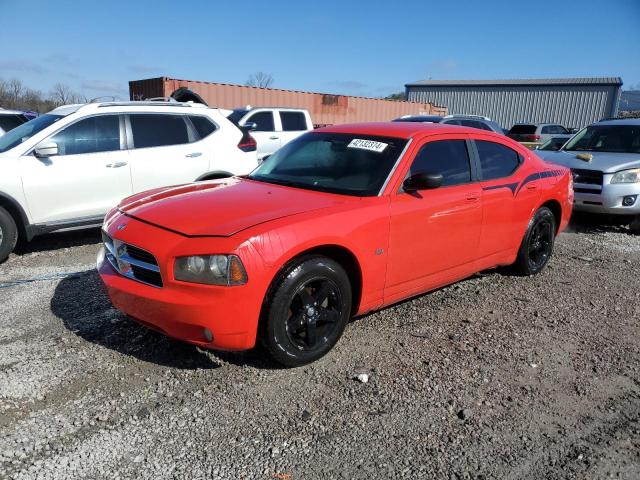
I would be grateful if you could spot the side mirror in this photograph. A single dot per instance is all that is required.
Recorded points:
(422, 181)
(46, 149)
(249, 126)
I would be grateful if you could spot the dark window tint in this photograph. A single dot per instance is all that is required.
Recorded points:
(293, 121)
(237, 115)
(559, 129)
(523, 129)
(91, 135)
(264, 120)
(496, 161)
(448, 157)
(203, 125)
(548, 129)
(157, 130)
(9, 122)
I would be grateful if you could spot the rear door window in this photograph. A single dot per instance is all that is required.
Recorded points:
(496, 160)
(100, 133)
(293, 121)
(203, 125)
(263, 120)
(448, 157)
(158, 130)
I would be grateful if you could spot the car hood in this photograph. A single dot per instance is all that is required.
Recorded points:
(604, 161)
(223, 207)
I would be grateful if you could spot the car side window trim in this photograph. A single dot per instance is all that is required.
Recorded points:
(192, 127)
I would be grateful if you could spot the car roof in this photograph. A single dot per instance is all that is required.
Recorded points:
(400, 129)
(11, 112)
(620, 121)
(126, 106)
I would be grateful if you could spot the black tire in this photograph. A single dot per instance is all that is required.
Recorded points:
(634, 226)
(8, 234)
(307, 311)
(537, 245)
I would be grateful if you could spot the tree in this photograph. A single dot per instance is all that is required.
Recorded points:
(260, 80)
(398, 97)
(14, 95)
(61, 94)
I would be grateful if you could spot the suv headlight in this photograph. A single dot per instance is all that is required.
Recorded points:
(210, 269)
(627, 176)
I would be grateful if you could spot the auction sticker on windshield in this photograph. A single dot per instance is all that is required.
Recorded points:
(370, 145)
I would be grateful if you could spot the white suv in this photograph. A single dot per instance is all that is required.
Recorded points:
(67, 168)
(272, 127)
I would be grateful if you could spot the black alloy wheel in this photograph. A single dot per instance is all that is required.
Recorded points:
(537, 246)
(307, 311)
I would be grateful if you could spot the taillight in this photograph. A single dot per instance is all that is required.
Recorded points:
(247, 143)
(532, 138)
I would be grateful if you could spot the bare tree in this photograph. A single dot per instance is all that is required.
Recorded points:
(14, 95)
(61, 94)
(260, 80)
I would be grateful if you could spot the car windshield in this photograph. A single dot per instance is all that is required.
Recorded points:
(237, 115)
(341, 163)
(25, 131)
(606, 138)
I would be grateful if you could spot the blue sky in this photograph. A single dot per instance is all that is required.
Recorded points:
(369, 48)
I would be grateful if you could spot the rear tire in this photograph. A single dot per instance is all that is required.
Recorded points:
(537, 245)
(308, 311)
(8, 234)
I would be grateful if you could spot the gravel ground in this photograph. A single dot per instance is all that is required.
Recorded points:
(493, 377)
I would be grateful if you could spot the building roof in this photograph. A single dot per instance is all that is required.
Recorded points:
(519, 82)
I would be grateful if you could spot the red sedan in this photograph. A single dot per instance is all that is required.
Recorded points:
(342, 221)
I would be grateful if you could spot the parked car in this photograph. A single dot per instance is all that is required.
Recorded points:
(553, 144)
(339, 222)
(67, 168)
(10, 119)
(274, 127)
(419, 118)
(534, 134)
(605, 161)
(473, 121)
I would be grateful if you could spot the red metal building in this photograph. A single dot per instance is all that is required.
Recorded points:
(325, 109)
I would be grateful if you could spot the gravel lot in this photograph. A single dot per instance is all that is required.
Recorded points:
(493, 377)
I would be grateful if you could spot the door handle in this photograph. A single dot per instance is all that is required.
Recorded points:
(115, 164)
(531, 187)
(472, 197)
(273, 137)
(193, 155)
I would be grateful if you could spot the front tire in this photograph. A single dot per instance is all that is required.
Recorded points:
(8, 234)
(308, 311)
(537, 245)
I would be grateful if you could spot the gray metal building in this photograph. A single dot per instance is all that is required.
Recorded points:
(572, 102)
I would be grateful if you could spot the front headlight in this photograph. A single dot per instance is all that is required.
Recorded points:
(627, 176)
(210, 269)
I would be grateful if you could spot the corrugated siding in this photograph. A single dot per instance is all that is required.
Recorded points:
(325, 109)
(571, 106)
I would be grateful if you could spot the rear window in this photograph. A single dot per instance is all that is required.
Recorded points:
(158, 130)
(293, 121)
(496, 160)
(9, 122)
(523, 129)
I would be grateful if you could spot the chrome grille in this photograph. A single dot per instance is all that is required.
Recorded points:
(132, 262)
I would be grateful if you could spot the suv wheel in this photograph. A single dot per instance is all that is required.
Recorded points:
(8, 234)
(308, 311)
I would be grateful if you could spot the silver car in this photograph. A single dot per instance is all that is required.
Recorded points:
(605, 161)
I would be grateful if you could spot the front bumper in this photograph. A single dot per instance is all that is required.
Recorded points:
(209, 316)
(608, 199)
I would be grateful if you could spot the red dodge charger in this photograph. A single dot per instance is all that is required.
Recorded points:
(342, 221)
